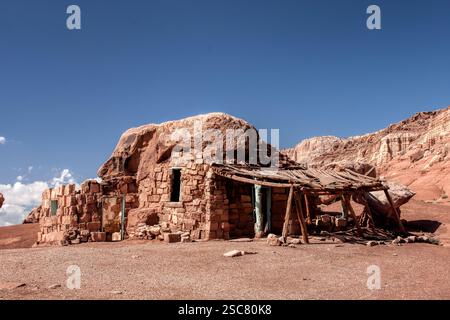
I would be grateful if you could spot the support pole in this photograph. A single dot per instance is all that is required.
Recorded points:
(396, 215)
(353, 215)
(259, 227)
(371, 222)
(344, 207)
(288, 212)
(300, 217)
(308, 211)
(268, 227)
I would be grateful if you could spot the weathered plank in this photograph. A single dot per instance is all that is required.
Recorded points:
(300, 217)
(288, 212)
(396, 215)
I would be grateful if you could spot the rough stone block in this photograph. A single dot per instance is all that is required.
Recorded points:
(116, 236)
(341, 222)
(98, 236)
(172, 237)
(94, 187)
(93, 226)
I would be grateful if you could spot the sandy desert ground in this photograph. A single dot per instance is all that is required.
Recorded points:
(149, 270)
(198, 270)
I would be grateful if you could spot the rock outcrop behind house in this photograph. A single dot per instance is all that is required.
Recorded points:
(143, 147)
(148, 154)
(33, 216)
(414, 152)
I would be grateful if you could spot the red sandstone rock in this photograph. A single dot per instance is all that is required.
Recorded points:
(399, 194)
(98, 236)
(172, 237)
(144, 215)
(34, 215)
(414, 152)
(142, 148)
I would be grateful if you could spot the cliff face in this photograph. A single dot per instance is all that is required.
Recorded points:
(414, 152)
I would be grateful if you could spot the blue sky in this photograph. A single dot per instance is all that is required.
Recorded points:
(307, 67)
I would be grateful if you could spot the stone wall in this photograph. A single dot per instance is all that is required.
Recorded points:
(187, 214)
(209, 207)
(240, 213)
(79, 212)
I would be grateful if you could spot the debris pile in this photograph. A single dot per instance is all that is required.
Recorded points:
(274, 240)
(376, 204)
(416, 239)
(145, 232)
(157, 232)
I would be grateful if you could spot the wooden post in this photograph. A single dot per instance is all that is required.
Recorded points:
(344, 206)
(353, 215)
(396, 215)
(288, 212)
(300, 217)
(371, 222)
(259, 228)
(308, 212)
(268, 227)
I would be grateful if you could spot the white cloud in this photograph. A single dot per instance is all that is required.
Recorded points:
(19, 178)
(2, 140)
(21, 198)
(64, 177)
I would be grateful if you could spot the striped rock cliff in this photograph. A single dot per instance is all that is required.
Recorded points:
(414, 152)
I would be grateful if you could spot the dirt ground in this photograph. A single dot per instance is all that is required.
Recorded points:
(428, 217)
(18, 236)
(149, 270)
(154, 270)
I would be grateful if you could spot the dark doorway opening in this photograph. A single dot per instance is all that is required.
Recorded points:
(175, 185)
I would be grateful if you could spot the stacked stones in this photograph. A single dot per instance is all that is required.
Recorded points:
(329, 222)
(155, 205)
(279, 203)
(77, 216)
(215, 220)
(145, 232)
(240, 209)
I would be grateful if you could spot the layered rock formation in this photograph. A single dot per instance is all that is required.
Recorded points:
(144, 147)
(414, 152)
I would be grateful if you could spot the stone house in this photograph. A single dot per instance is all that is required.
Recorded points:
(144, 183)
